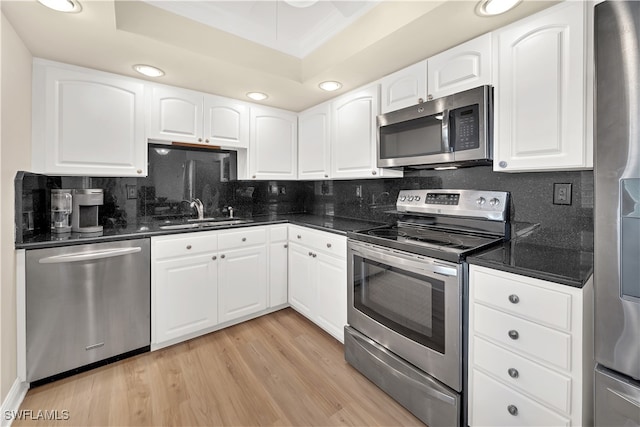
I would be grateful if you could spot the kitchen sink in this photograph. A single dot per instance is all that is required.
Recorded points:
(207, 224)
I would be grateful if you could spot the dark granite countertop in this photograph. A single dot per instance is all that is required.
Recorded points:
(324, 223)
(526, 257)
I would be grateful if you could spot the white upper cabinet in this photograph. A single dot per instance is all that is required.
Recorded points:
(353, 139)
(404, 88)
(314, 137)
(463, 67)
(186, 116)
(543, 92)
(273, 150)
(87, 122)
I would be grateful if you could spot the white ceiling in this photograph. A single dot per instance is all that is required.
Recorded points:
(293, 30)
(114, 35)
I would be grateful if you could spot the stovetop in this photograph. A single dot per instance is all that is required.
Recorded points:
(443, 224)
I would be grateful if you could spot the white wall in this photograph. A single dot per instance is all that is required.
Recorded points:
(15, 154)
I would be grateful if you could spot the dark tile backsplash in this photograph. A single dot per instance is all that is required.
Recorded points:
(136, 201)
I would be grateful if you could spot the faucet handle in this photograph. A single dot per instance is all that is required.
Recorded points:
(230, 209)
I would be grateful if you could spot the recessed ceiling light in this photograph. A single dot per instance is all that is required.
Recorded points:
(330, 86)
(148, 70)
(495, 7)
(257, 96)
(68, 6)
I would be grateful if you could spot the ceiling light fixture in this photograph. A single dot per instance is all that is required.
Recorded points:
(257, 96)
(330, 86)
(301, 3)
(495, 7)
(148, 70)
(68, 6)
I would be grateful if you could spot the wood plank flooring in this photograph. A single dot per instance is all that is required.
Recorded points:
(279, 369)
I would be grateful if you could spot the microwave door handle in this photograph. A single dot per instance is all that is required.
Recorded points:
(446, 145)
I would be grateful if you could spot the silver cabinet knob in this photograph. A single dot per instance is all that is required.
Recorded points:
(188, 246)
(139, 171)
(374, 172)
(254, 177)
(514, 299)
(310, 253)
(286, 246)
(199, 139)
(299, 236)
(244, 239)
(206, 140)
(513, 410)
(502, 164)
(513, 372)
(513, 334)
(222, 256)
(328, 245)
(314, 255)
(326, 176)
(214, 257)
(429, 97)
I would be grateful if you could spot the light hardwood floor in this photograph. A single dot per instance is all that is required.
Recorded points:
(279, 369)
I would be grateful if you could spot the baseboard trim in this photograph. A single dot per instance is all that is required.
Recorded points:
(12, 402)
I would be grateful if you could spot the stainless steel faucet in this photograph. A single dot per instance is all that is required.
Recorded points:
(197, 204)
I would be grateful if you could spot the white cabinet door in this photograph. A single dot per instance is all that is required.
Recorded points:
(301, 281)
(463, 67)
(185, 296)
(314, 133)
(87, 122)
(541, 92)
(331, 294)
(353, 138)
(242, 284)
(175, 114)
(226, 122)
(404, 88)
(273, 144)
(278, 265)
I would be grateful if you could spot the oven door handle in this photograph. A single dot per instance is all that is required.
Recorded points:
(404, 261)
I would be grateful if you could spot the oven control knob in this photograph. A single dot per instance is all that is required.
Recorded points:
(410, 198)
(494, 202)
(417, 198)
(481, 201)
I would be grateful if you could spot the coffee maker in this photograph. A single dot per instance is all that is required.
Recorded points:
(85, 210)
(61, 209)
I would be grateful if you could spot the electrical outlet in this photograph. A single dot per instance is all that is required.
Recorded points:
(561, 194)
(358, 190)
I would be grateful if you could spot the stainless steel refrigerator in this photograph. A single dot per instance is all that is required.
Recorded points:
(617, 214)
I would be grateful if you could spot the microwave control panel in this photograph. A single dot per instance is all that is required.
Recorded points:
(465, 132)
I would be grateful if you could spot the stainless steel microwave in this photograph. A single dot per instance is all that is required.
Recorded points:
(454, 130)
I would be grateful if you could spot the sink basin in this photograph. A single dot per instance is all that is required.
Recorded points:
(216, 223)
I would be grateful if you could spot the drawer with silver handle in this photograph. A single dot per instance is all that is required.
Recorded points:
(183, 244)
(494, 404)
(243, 237)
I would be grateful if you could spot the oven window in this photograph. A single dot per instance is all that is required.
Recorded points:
(417, 137)
(409, 304)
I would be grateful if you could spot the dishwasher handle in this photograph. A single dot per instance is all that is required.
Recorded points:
(88, 256)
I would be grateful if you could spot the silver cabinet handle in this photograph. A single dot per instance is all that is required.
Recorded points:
(244, 239)
(222, 256)
(188, 246)
(514, 299)
(199, 139)
(328, 245)
(513, 410)
(513, 334)
(286, 246)
(139, 171)
(513, 372)
(206, 140)
(299, 236)
(214, 257)
(87, 256)
(374, 172)
(314, 255)
(310, 253)
(502, 164)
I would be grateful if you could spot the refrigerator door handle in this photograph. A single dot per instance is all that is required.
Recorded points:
(88, 256)
(624, 405)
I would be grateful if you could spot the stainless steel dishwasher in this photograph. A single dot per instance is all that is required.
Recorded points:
(86, 304)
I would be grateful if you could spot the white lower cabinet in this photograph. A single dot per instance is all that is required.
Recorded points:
(278, 254)
(530, 351)
(318, 278)
(204, 281)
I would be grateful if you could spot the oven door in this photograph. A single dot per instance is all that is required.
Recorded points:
(411, 305)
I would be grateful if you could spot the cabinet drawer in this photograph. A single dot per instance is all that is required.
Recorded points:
(320, 241)
(544, 384)
(512, 294)
(248, 236)
(540, 342)
(183, 245)
(491, 402)
(278, 233)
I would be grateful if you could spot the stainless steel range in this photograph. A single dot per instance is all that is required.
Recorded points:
(407, 300)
